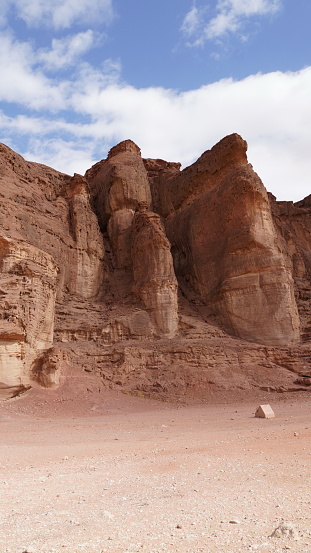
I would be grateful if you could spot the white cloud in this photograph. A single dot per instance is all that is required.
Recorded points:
(21, 83)
(66, 156)
(23, 72)
(272, 112)
(67, 50)
(192, 21)
(249, 7)
(230, 18)
(59, 14)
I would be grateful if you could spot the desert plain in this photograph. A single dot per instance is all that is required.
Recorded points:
(123, 474)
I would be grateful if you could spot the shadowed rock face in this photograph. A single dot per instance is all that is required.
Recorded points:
(92, 268)
(85, 260)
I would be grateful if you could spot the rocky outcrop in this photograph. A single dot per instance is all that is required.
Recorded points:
(27, 301)
(121, 196)
(154, 276)
(293, 223)
(155, 280)
(176, 189)
(86, 271)
(119, 186)
(226, 249)
(51, 211)
(51, 247)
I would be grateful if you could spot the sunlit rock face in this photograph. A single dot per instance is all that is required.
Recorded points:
(51, 249)
(27, 302)
(150, 277)
(122, 196)
(119, 186)
(226, 246)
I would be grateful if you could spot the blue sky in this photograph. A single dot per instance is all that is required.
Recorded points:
(78, 76)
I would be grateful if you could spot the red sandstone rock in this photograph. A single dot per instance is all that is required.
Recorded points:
(119, 182)
(68, 307)
(154, 276)
(27, 306)
(226, 248)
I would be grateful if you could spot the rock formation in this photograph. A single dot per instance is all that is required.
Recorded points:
(27, 303)
(120, 187)
(153, 271)
(226, 246)
(155, 280)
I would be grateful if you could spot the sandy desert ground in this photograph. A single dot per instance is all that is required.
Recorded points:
(126, 475)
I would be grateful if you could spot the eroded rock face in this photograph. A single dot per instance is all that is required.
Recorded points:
(51, 211)
(88, 282)
(154, 276)
(119, 187)
(86, 270)
(176, 189)
(51, 246)
(27, 302)
(119, 182)
(119, 231)
(226, 248)
(122, 196)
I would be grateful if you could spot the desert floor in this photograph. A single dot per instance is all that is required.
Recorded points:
(127, 474)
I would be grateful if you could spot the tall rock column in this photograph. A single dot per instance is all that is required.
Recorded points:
(86, 259)
(226, 246)
(154, 276)
(122, 198)
(119, 185)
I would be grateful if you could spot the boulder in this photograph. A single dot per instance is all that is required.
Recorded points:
(264, 412)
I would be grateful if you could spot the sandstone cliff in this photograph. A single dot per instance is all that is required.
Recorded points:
(151, 279)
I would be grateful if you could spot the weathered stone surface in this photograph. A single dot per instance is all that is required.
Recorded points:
(88, 285)
(225, 247)
(86, 269)
(264, 412)
(119, 231)
(51, 211)
(160, 173)
(47, 370)
(120, 187)
(27, 299)
(51, 245)
(119, 182)
(154, 276)
(293, 223)
(285, 530)
(177, 190)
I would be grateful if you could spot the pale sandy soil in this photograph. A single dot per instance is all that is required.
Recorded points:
(130, 475)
